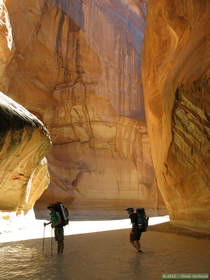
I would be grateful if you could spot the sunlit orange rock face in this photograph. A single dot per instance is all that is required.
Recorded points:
(76, 65)
(177, 101)
(24, 142)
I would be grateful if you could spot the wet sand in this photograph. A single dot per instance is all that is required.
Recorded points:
(105, 256)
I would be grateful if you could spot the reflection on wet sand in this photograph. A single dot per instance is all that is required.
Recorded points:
(105, 256)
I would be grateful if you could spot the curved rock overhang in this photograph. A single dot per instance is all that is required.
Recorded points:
(24, 142)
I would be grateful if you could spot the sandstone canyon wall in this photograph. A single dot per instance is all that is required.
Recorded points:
(177, 101)
(76, 65)
(23, 169)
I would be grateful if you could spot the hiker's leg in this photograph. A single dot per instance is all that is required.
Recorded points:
(139, 241)
(132, 243)
(137, 245)
(57, 239)
(62, 240)
(137, 237)
(131, 239)
(58, 247)
(62, 247)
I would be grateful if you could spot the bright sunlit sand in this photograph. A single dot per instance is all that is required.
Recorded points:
(18, 228)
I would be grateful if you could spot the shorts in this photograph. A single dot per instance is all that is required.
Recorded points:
(135, 235)
(59, 234)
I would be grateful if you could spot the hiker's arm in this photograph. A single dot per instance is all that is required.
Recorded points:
(45, 224)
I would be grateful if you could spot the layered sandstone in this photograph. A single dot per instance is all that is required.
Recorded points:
(176, 87)
(6, 44)
(80, 62)
(23, 144)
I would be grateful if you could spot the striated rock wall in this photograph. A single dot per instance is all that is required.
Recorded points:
(88, 44)
(76, 65)
(6, 44)
(23, 144)
(176, 87)
(39, 182)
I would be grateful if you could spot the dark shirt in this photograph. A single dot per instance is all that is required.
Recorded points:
(133, 218)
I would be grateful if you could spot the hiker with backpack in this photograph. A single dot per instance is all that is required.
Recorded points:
(139, 223)
(58, 219)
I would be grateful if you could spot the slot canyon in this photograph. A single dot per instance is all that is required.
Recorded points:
(104, 105)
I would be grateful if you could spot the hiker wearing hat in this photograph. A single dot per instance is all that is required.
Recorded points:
(56, 223)
(135, 233)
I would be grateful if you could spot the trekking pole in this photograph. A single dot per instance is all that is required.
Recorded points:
(43, 240)
(51, 242)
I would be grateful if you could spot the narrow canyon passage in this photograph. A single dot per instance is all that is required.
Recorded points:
(104, 105)
(105, 256)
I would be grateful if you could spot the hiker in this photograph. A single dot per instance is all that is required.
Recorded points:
(136, 232)
(56, 223)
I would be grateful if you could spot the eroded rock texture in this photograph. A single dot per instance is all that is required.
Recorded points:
(176, 85)
(80, 63)
(6, 44)
(23, 144)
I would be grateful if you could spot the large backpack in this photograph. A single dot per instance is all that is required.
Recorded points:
(141, 219)
(63, 211)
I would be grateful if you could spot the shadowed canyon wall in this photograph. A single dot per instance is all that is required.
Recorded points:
(177, 101)
(76, 65)
(23, 144)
